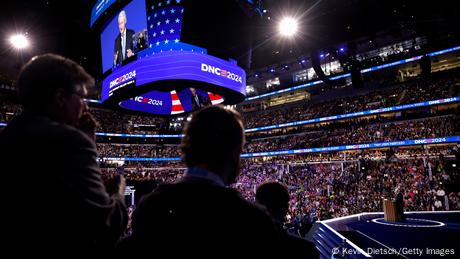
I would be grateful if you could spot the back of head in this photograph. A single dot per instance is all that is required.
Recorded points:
(275, 197)
(44, 74)
(214, 137)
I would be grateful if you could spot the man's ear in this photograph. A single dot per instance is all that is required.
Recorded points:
(60, 97)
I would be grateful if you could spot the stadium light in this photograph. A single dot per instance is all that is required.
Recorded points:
(19, 41)
(288, 27)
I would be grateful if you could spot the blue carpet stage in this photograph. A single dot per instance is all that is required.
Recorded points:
(422, 235)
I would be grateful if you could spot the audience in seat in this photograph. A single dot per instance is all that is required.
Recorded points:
(198, 215)
(275, 197)
(61, 209)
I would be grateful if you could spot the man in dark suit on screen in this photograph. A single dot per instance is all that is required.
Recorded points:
(198, 101)
(124, 41)
(59, 207)
(200, 216)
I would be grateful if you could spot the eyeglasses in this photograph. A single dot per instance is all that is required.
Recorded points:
(81, 95)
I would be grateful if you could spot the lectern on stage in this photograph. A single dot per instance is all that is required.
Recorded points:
(393, 211)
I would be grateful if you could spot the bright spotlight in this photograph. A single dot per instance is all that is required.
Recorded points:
(19, 41)
(288, 27)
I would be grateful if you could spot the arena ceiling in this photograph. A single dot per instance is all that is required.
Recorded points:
(226, 30)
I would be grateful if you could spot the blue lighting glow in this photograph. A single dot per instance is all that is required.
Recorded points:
(297, 123)
(139, 135)
(397, 143)
(99, 9)
(436, 53)
(366, 70)
(92, 101)
(391, 64)
(358, 114)
(283, 90)
(357, 146)
(141, 159)
(340, 76)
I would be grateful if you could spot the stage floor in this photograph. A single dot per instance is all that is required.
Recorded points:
(423, 235)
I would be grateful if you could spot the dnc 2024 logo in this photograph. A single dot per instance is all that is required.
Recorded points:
(221, 72)
(121, 79)
(145, 100)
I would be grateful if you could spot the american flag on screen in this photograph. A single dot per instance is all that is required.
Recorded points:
(176, 104)
(215, 98)
(164, 21)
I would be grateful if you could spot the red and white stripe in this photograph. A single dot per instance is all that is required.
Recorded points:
(176, 104)
(215, 98)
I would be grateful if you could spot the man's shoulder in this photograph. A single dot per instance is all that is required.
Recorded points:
(37, 128)
(118, 37)
(299, 245)
(213, 214)
(199, 195)
(130, 32)
(181, 189)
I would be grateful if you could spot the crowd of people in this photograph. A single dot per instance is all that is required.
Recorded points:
(86, 216)
(327, 190)
(410, 92)
(352, 133)
(60, 140)
(113, 121)
(323, 191)
(108, 120)
(324, 157)
(332, 134)
(137, 150)
(139, 174)
(8, 108)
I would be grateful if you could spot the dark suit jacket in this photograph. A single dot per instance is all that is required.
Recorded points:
(129, 45)
(204, 101)
(201, 220)
(296, 247)
(55, 198)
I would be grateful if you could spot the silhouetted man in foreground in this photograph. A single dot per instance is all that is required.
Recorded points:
(275, 197)
(58, 206)
(199, 216)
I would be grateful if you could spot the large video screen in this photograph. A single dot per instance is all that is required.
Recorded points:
(166, 103)
(124, 35)
(99, 8)
(149, 69)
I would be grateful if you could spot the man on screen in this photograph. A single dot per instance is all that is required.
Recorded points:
(124, 42)
(198, 101)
